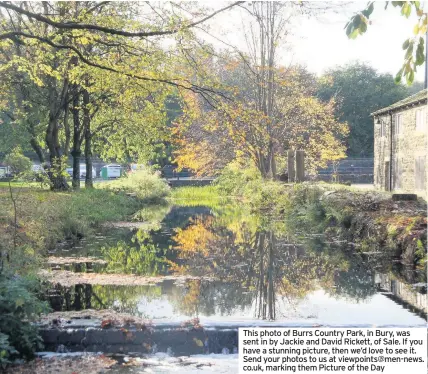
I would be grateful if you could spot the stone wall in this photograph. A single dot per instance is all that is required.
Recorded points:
(407, 147)
(177, 340)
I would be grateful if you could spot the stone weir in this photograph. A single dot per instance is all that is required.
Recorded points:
(173, 339)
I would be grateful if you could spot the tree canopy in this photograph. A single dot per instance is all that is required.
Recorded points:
(97, 74)
(273, 108)
(360, 90)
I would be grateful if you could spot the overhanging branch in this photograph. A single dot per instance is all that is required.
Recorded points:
(203, 91)
(108, 30)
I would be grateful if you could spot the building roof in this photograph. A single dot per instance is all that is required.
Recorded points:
(417, 98)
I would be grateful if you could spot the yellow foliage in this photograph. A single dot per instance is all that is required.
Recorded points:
(195, 238)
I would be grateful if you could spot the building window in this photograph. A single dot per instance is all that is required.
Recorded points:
(398, 124)
(421, 119)
(382, 129)
(420, 171)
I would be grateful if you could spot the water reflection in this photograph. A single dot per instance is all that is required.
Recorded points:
(269, 264)
(261, 269)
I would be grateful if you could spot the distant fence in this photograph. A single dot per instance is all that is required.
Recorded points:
(170, 171)
(354, 170)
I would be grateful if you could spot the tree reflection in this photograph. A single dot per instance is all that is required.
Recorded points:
(139, 256)
(258, 264)
(244, 251)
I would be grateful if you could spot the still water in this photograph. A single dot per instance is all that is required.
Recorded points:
(247, 269)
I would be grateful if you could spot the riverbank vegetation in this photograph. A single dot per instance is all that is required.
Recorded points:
(34, 221)
(370, 220)
(144, 183)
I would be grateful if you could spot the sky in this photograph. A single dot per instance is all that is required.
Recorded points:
(321, 43)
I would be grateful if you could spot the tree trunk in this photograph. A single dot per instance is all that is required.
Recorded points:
(77, 139)
(38, 149)
(88, 158)
(76, 169)
(88, 139)
(56, 168)
(57, 105)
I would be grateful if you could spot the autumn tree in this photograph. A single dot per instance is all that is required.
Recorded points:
(239, 130)
(273, 106)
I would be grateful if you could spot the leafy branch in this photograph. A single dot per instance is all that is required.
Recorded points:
(414, 47)
(107, 30)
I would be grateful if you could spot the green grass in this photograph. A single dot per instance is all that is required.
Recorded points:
(192, 192)
(20, 184)
(45, 217)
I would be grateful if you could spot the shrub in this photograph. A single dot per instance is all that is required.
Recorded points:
(266, 195)
(19, 306)
(18, 163)
(305, 208)
(145, 183)
(235, 177)
(246, 181)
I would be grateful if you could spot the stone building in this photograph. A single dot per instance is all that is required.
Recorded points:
(400, 146)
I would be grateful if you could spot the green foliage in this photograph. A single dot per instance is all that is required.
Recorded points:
(142, 257)
(18, 163)
(235, 177)
(246, 182)
(145, 183)
(359, 90)
(200, 193)
(392, 231)
(305, 208)
(269, 196)
(6, 350)
(414, 47)
(421, 253)
(19, 306)
(11, 134)
(97, 88)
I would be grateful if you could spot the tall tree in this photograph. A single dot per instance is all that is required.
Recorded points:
(263, 42)
(359, 90)
(61, 39)
(210, 138)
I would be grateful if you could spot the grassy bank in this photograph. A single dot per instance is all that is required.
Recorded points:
(43, 218)
(40, 218)
(33, 221)
(369, 219)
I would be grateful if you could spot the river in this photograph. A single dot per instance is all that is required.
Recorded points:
(220, 265)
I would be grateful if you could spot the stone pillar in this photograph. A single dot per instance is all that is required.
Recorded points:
(300, 166)
(290, 166)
